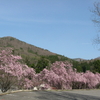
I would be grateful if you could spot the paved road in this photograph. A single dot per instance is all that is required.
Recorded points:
(47, 95)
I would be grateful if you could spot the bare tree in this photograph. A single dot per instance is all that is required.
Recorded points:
(96, 20)
(7, 81)
(96, 13)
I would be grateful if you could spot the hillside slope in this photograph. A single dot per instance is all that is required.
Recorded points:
(39, 58)
(22, 47)
(30, 53)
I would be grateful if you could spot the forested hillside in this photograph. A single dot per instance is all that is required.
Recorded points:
(33, 56)
(39, 58)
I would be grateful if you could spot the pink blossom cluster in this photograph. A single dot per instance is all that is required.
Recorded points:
(13, 72)
(60, 75)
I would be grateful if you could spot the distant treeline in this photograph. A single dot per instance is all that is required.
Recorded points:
(81, 66)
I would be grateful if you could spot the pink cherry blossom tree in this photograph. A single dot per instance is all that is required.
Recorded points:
(58, 75)
(91, 79)
(28, 78)
(13, 72)
(61, 75)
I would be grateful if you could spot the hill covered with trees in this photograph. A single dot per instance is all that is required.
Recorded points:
(39, 58)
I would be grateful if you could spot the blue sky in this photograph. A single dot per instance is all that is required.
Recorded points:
(60, 26)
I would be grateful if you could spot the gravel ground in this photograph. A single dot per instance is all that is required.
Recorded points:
(53, 95)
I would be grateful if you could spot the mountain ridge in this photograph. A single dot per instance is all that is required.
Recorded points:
(39, 58)
(18, 44)
(29, 52)
(9, 41)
